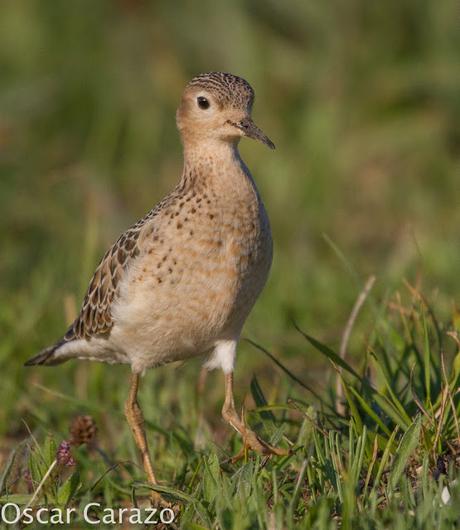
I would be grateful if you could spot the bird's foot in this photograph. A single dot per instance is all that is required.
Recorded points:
(152, 499)
(252, 442)
(250, 439)
(157, 501)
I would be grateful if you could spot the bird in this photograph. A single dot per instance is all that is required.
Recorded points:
(182, 281)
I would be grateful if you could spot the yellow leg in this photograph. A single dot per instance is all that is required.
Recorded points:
(250, 438)
(135, 419)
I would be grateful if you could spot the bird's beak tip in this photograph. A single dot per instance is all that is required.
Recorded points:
(251, 130)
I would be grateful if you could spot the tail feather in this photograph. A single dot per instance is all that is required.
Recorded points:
(47, 356)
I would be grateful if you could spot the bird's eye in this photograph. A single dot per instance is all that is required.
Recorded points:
(203, 102)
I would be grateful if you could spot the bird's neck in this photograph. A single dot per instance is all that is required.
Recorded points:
(215, 165)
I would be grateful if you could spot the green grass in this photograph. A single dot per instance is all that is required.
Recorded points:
(383, 463)
(362, 101)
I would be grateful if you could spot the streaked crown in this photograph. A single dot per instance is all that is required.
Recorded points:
(228, 89)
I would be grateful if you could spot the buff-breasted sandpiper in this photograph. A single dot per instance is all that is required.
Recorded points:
(182, 280)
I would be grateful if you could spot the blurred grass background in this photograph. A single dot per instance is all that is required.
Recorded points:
(362, 100)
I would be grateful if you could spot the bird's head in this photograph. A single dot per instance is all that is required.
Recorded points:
(217, 106)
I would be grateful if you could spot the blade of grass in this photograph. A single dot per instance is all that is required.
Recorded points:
(408, 443)
(370, 412)
(385, 404)
(288, 372)
(167, 491)
(346, 337)
(426, 359)
(330, 354)
(353, 408)
(385, 457)
(260, 400)
(398, 406)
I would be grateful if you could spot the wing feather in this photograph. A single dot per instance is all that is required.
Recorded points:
(95, 317)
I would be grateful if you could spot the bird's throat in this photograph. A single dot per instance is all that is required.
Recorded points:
(218, 167)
